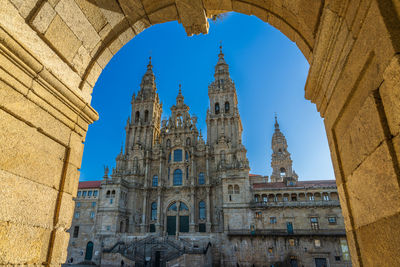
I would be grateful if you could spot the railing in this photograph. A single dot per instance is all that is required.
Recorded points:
(318, 203)
(284, 232)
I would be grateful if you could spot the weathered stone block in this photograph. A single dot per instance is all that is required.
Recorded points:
(62, 38)
(380, 240)
(92, 13)
(28, 153)
(358, 134)
(32, 243)
(44, 17)
(374, 193)
(26, 202)
(73, 16)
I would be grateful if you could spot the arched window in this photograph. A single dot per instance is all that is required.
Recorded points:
(183, 206)
(186, 156)
(216, 108)
(154, 211)
(188, 141)
(137, 116)
(127, 226)
(146, 116)
(264, 198)
(237, 189)
(202, 210)
(283, 172)
(187, 173)
(201, 178)
(173, 207)
(113, 193)
(108, 194)
(230, 189)
(169, 157)
(168, 143)
(155, 181)
(226, 107)
(256, 198)
(177, 177)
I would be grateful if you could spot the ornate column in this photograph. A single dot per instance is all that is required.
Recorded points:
(158, 223)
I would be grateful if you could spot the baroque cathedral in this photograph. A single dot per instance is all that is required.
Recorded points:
(174, 199)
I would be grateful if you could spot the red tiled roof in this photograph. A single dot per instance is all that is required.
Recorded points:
(250, 174)
(306, 184)
(89, 184)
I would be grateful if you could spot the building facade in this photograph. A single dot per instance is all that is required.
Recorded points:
(174, 199)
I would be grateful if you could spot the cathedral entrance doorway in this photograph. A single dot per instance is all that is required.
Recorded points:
(177, 212)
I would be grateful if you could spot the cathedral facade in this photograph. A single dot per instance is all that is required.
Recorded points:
(174, 199)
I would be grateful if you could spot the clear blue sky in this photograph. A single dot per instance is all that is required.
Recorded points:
(269, 72)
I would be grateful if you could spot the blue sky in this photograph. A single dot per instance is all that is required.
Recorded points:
(269, 72)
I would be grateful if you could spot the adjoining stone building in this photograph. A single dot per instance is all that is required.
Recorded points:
(174, 199)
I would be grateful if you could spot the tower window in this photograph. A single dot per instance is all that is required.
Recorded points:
(188, 141)
(178, 155)
(237, 189)
(155, 181)
(137, 116)
(216, 108)
(187, 173)
(146, 116)
(202, 210)
(227, 107)
(168, 143)
(177, 177)
(230, 189)
(283, 172)
(76, 231)
(201, 178)
(153, 211)
(314, 223)
(186, 156)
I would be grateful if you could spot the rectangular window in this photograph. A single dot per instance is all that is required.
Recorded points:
(89, 193)
(95, 192)
(76, 231)
(93, 204)
(314, 223)
(311, 198)
(337, 258)
(111, 200)
(84, 193)
(76, 215)
(108, 228)
(317, 243)
(92, 214)
(178, 155)
(152, 228)
(332, 220)
(265, 199)
(79, 194)
(202, 227)
(272, 220)
(345, 249)
(326, 197)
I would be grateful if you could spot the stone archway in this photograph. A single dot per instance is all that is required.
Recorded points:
(52, 52)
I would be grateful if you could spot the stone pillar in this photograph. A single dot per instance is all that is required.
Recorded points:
(208, 221)
(158, 223)
(193, 211)
(144, 212)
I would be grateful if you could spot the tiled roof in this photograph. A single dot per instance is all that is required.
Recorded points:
(306, 184)
(89, 184)
(251, 174)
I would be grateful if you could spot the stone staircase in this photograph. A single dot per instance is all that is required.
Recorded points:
(154, 250)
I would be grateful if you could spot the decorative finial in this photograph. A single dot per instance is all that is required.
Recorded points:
(220, 47)
(180, 89)
(106, 170)
(276, 122)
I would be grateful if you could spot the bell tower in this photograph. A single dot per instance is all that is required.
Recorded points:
(144, 126)
(281, 162)
(223, 119)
